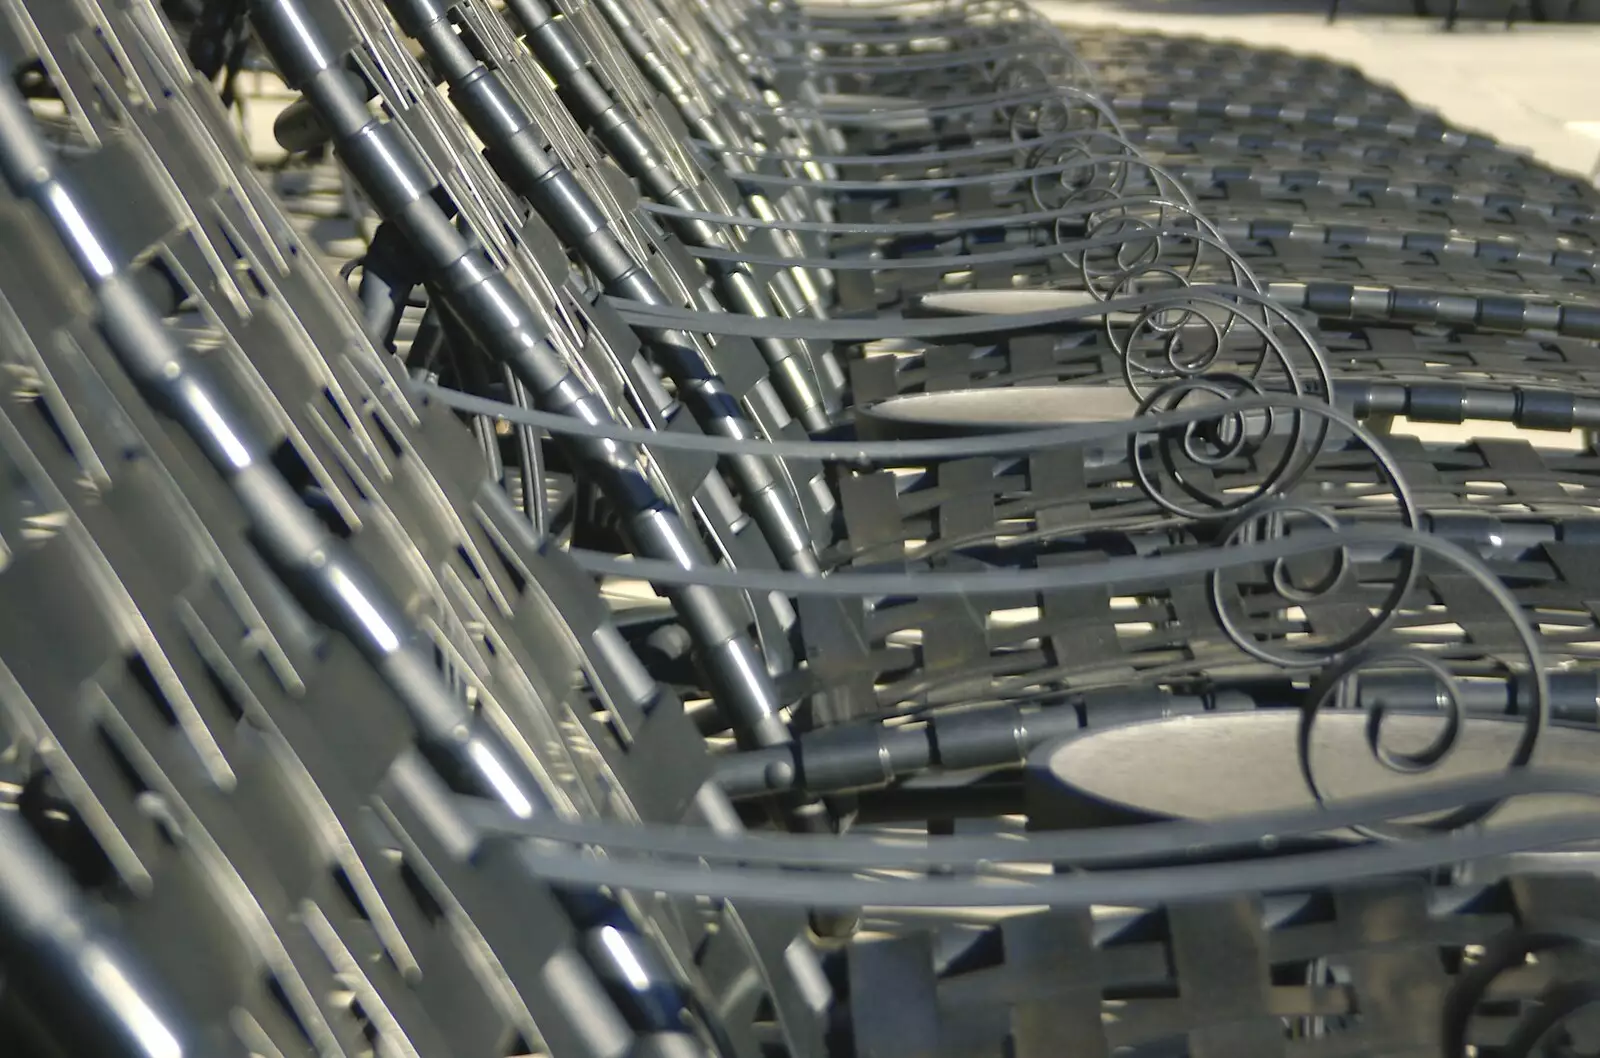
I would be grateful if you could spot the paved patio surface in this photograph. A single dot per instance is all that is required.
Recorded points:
(1535, 86)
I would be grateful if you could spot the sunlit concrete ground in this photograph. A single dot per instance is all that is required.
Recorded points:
(1534, 86)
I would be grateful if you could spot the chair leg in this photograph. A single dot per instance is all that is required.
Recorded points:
(1333, 11)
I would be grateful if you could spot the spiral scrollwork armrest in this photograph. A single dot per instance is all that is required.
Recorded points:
(1371, 584)
(1567, 951)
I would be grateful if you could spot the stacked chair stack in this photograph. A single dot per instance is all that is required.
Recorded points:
(682, 528)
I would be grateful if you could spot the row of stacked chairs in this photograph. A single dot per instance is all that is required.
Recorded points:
(667, 528)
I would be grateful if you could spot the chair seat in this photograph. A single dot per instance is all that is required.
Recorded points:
(1219, 766)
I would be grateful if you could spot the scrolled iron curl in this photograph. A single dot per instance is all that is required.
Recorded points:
(1040, 70)
(1274, 520)
(1090, 166)
(1132, 239)
(1108, 158)
(1343, 660)
(1187, 335)
(1128, 244)
(1542, 1030)
(1172, 465)
(1183, 336)
(1265, 515)
(1129, 241)
(1094, 169)
(1052, 110)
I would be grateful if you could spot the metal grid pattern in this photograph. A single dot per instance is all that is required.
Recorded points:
(225, 749)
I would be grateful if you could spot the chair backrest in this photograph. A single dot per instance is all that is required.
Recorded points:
(281, 754)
